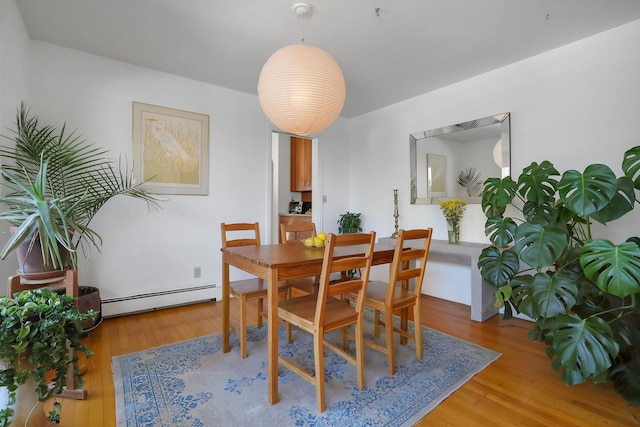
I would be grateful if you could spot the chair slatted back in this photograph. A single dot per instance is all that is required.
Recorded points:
(296, 231)
(240, 229)
(418, 241)
(333, 263)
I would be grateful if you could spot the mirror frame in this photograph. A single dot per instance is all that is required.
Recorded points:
(504, 119)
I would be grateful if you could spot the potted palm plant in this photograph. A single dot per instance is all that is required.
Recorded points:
(35, 328)
(582, 291)
(56, 183)
(43, 227)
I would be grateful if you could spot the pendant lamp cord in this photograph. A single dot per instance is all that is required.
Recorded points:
(301, 37)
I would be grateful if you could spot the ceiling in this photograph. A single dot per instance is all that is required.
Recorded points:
(407, 48)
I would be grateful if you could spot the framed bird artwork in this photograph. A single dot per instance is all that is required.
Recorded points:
(170, 150)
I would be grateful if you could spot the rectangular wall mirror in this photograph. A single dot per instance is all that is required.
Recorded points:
(454, 161)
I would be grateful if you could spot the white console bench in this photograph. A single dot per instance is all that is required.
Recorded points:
(467, 254)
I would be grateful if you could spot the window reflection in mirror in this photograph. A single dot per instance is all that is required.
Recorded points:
(454, 161)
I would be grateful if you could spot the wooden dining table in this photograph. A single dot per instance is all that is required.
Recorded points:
(276, 263)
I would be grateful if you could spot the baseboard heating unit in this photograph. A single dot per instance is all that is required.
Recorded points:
(150, 301)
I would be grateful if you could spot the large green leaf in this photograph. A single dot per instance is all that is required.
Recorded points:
(584, 346)
(501, 231)
(501, 295)
(626, 331)
(588, 192)
(497, 267)
(626, 380)
(497, 194)
(616, 269)
(621, 203)
(521, 295)
(543, 214)
(570, 376)
(540, 246)
(553, 295)
(631, 165)
(544, 334)
(536, 183)
(634, 239)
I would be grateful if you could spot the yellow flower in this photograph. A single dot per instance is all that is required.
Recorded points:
(453, 209)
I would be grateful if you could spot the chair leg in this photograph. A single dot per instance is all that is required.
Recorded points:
(343, 338)
(404, 324)
(289, 335)
(388, 328)
(318, 351)
(417, 329)
(260, 309)
(376, 323)
(360, 352)
(288, 295)
(243, 327)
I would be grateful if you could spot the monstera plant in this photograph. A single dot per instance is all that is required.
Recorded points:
(582, 291)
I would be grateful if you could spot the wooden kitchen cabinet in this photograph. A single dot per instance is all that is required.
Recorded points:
(300, 164)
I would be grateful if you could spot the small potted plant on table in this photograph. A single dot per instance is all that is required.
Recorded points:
(350, 222)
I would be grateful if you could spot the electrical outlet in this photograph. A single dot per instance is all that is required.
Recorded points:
(324, 198)
(196, 272)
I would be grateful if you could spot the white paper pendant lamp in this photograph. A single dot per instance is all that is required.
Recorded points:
(301, 88)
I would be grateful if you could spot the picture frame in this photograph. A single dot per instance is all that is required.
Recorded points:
(170, 150)
(436, 175)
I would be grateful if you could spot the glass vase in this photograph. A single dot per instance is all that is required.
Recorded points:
(453, 231)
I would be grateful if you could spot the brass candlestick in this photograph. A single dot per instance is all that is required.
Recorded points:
(395, 211)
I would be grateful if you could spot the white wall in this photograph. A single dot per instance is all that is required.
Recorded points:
(153, 252)
(150, 252)
(575, 105)
(14, 42)
(333, 176)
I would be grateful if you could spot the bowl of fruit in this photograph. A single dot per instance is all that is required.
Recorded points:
(317, 242)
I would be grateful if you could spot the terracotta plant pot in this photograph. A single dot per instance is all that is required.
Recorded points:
(31, 264)
(89, 298)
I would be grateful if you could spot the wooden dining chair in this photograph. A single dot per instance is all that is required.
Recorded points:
(293, 232)
(253, 289)
(297, 231)
(327, 311)
(409, 263)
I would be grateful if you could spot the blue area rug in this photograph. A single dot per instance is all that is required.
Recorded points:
(193, 383)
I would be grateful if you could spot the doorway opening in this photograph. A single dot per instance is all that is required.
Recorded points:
(281, 189)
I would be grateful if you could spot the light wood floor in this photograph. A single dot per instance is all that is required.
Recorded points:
(519, 389)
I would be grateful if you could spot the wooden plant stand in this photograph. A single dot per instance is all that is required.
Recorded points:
(70, 284)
